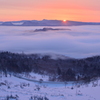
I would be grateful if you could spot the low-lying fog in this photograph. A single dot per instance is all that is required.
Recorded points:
(79, 42)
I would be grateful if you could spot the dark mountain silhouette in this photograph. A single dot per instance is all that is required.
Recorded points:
(47, 23)
(7, 24)
(49, 29)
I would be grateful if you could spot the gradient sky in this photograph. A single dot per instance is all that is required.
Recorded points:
(77, 10)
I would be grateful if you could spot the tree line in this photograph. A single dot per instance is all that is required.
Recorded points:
(57, 69)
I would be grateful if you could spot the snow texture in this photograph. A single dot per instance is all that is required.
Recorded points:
(24, 89)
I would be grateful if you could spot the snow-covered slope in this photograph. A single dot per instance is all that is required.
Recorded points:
(26, 90)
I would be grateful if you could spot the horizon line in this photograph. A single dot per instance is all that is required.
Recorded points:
(48, 19)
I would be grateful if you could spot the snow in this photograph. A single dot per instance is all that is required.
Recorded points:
(38, 76)
(25, 89)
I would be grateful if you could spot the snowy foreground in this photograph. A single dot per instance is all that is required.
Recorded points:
(20, 89)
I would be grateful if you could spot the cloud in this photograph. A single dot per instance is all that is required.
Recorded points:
(81, 41)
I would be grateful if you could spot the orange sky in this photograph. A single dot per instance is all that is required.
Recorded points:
(76, 10)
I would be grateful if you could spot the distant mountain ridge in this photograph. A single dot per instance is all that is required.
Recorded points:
(46, 23)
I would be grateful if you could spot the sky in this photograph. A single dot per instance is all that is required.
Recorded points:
(76, 10)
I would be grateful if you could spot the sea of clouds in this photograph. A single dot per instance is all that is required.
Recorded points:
(79, 42)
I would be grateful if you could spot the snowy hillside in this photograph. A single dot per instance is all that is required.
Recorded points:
(20, 89)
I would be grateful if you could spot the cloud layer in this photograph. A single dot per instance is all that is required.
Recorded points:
(79, 42)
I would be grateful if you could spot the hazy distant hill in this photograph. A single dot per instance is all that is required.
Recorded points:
(70, 23)
(46, 23)
(7, 24)
(49, 29)
(43, 23)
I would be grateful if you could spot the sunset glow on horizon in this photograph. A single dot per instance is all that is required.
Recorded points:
(64, 20)
(76, 10)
